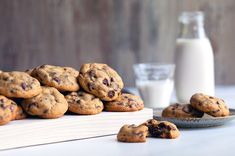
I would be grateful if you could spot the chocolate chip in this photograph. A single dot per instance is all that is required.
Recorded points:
(217, 102)
(176, 105)
(23, 85)
(92, 73)
(93, 98)
(111, 79)
(13, 90)
(56, 79)
(106, 82)
(161, 125)
(91, 86)
(132, 105)
(45, 111)
(155, 132)
(187, 109)
(210, 97)
(119, 103)
(169, 127)
(78, 101)
(42, 66)
(111, 94)
(5, 78)
(3, 106)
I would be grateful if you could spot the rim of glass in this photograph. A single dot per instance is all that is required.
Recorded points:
(154, 65)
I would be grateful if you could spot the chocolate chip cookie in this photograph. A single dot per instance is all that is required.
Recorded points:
(50, 103)
(209, 104)
(18, 85)
(181, 111)
(100, 80)
(132, 133)
(163, 129)
(6, 110)
(125, 103)
(62, 78)
(84, 103)
(17, 111)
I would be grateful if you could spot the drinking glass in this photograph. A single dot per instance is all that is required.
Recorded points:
(155, 83)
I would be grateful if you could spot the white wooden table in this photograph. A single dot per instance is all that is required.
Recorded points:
(216, 141)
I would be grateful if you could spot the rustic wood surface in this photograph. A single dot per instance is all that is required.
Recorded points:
(117, 32)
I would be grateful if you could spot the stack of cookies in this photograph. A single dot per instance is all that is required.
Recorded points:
(199, 104)
(50, 91)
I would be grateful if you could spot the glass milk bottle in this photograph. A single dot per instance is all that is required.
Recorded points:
(194, 58)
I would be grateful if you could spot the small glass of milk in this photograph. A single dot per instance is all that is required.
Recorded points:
(155, 83)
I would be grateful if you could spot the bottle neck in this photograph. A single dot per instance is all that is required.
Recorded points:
(192, 30)
(192, 25)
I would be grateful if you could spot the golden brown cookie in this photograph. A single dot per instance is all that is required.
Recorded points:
(6, 110)
(84, 103)
(18, 85)
(163, 129)
(125, 103)
(50, 103)
(132, 133)
(209, 104)
(17, 111)
(181, 111)
(62, 78)
(100, 80)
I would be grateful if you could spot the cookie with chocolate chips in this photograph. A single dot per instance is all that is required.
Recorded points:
(17, 111)
(6, 110)
(208, 104)
(132, 133)
(181, 111)
(84, 103)
(18, 85)
(50, 103)
(125, 103)
(163, 129)
(100, 80)
(62, 78)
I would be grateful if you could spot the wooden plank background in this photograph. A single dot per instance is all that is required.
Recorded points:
(117, 32)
